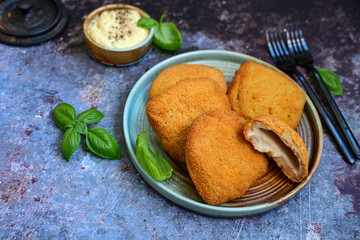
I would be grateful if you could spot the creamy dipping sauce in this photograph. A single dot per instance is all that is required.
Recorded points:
(117, 28)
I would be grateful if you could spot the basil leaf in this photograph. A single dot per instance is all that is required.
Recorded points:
(70, 124)
(331, 81)
(63, 114)
(147, 23)
(70, 142)
(167, 36)
(165, 167)
(149, 166)
(157, 167)
(81, 127)
(90, 116)
(102, 143)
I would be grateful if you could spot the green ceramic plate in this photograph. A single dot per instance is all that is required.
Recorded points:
(272, 191)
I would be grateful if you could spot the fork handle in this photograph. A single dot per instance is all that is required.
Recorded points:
(344, 127)
(325, 117)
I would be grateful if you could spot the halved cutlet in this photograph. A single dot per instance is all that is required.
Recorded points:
(274, 137)
(221, 163)
(174, 74)
(257, 90)
(171, 114)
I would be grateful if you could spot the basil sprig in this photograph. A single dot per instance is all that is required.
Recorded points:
(331, 81)
(157, 167)
(98, 140)
(166, 35)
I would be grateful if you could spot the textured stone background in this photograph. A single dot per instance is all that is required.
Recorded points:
(44, 197)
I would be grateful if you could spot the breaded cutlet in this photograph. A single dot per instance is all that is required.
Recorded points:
(274, 137)
(221, 163)
(171, 114)
(174, 74)
(257, 90)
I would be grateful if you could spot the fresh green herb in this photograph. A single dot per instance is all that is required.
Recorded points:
(64, 114)
(80, 127)
(166, 35)
(70, 124)
(157, 167)
(147, 23)
(102, 143)
(98, 140)
(90, 116)
(70, 143)
(331, 81)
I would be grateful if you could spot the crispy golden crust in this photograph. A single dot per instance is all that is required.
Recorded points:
(174, 74)
(172, 113)
(289, 138)
(257, 90)
(221, 163)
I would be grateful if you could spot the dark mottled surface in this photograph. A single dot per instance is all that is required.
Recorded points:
(44, 197)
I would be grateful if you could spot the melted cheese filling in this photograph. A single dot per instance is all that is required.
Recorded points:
(267, 141)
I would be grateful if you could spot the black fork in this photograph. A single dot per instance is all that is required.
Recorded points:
(300, 52)
(283, 60)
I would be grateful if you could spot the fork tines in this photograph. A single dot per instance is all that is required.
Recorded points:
(295, 39)
(276, 44)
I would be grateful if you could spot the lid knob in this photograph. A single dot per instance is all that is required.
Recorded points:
(25, 6)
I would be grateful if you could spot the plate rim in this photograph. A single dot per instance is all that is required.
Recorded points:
(203, 208)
